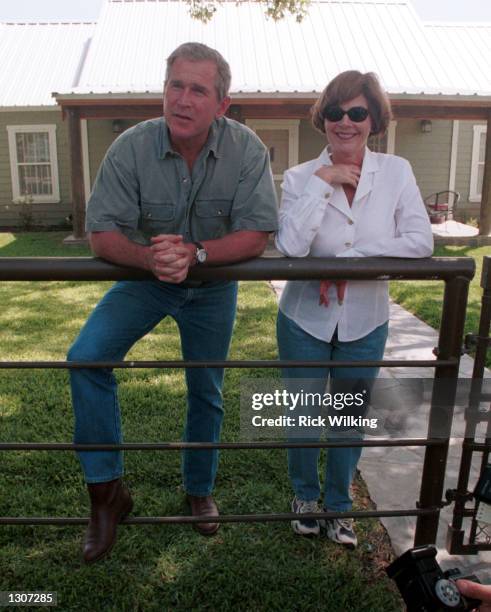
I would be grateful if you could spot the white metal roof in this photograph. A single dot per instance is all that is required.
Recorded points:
(125, 52)
(133, 38)
(465, 49)
(38, 58)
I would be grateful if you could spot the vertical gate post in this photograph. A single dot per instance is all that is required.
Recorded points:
(442, 405)
(485, 210)
(455, 533)
(76, 172)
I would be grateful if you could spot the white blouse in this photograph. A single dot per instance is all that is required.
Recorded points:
(387, 218)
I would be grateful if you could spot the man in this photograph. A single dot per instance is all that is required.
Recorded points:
(193, 188)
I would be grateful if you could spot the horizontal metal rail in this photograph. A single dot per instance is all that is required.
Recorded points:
(223, 518)
(480, 447)
(258, 363)
(163, 446)
(263, 268)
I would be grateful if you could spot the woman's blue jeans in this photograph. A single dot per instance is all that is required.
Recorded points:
(296, 344)
(205, 318)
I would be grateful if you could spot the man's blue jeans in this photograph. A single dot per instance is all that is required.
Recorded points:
(205, 318)
(294, 344)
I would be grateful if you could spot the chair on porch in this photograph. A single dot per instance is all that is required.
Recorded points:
(441, 205)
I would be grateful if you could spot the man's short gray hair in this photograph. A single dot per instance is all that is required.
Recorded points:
(197, 52)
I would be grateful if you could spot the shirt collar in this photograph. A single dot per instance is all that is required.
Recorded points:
(165, 147)
(370, 161)
(367, 177)
(211, 144)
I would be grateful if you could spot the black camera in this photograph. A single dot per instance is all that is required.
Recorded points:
(424, 586)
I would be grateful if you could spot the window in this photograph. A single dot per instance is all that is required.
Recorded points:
(34, 162)
(477, 163)
(281, 138)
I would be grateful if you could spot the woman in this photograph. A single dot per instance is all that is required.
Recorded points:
(349, 202)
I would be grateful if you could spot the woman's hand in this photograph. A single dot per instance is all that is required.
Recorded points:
(340, 174)
(324, 288)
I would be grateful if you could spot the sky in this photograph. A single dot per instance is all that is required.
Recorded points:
(55, 10)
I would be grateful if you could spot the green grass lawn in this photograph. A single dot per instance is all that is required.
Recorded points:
(425, 298)
(246, 566)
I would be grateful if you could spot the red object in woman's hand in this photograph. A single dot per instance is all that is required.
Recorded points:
(324, 288)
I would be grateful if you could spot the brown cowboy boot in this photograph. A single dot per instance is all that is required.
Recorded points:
(110, 502)
(204, 506)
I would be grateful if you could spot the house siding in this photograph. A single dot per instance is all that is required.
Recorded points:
(100, 136)
(311, 142)
(44, 214)
(428, 153)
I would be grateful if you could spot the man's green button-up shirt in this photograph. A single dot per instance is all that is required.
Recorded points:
(144, 188)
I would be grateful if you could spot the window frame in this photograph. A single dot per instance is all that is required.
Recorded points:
(292, 125)
(478, 131)
(50, 129)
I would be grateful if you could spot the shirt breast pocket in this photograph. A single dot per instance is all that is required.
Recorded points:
(158, 218)
(212, 218)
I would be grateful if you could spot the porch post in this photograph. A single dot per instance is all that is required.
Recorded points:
(76, 170)
(485, 214)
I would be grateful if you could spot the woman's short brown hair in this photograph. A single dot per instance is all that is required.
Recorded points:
(348, 85)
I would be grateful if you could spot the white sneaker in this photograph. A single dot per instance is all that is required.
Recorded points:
(341, 531)
(305, 526)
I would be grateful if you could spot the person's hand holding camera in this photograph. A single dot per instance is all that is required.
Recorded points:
(476, 591)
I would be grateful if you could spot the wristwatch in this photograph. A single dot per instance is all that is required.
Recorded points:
(200, 254)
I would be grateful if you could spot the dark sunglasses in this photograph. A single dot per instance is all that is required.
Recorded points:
(336, 113)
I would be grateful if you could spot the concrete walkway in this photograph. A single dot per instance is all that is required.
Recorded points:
(393, 474)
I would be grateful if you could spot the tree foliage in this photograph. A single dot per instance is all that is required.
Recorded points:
(204, 10)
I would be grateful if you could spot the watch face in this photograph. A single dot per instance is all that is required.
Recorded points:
(201, 255)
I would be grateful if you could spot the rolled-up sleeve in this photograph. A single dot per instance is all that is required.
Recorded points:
(255, 204)
(114, 201)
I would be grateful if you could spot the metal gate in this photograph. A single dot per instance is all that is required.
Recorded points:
(456, 274)
(477, 439)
